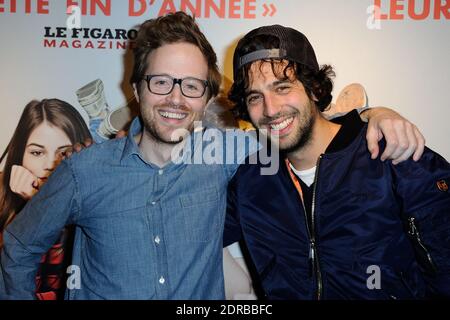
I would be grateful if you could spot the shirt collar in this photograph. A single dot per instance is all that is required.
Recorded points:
(131, 146)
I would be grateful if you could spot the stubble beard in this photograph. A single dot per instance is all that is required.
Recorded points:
(153, 133)
(303, 135)
(152, 130)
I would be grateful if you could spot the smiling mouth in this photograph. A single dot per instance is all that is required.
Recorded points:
(282, 125)
(172, 115)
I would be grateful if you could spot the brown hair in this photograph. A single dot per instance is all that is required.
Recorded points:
(317, 83)
(173, 28)
(59, 114)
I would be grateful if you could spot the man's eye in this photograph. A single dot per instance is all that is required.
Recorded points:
(161, 82)
(283, 89)
(252, 100)
(191, 87)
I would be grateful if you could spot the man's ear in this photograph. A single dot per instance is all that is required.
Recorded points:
(136, 92)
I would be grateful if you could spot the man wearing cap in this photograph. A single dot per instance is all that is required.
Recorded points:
(332, 223)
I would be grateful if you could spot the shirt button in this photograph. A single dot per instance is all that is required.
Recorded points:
(160, 172)
(157, 240)
(162, 280)
(153, 203)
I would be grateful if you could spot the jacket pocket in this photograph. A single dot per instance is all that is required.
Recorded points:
(421, 251)
(433, 232)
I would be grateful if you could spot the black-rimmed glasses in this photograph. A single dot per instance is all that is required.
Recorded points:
(164, 84)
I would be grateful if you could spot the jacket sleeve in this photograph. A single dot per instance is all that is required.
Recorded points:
(34, 230)
(232, 231)
(424, 191)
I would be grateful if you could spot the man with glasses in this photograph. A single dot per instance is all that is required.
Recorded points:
(147, 228)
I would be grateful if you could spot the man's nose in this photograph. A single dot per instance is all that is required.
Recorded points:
(271, 106)
(176, 96)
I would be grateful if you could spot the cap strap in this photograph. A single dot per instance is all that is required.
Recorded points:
(260, 55)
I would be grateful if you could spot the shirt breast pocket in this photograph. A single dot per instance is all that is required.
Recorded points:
(202, 215)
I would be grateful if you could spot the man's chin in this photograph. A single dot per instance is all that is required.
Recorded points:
(295, 144)
(173, 137)
(284, 147)
(173, 142)
(170, 139)
(285, 142)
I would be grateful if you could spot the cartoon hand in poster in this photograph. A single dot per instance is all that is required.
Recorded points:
(23, 182)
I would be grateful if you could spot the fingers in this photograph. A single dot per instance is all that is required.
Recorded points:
(420, 144)
(392, 140)
(69, 153)
(121, 134)
(23, 182)
(403, 140)
(77, 147)
(373, 138)
(400, 142)
(411, 141)
(88, 142)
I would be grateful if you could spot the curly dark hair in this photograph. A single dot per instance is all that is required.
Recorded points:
(168, 29)
(318, 84)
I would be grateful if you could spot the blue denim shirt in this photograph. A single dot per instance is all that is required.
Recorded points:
(142, 232)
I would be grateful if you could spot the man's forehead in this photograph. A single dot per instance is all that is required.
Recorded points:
(179, 59)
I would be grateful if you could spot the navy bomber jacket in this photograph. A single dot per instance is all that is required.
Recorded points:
(373, 232)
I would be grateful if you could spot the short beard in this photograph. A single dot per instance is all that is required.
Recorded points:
(156, 137)
(150, 127)
(304, 134)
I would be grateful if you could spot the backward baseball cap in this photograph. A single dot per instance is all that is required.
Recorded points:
(294, 46)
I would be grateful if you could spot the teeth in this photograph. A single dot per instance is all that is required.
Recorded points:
(172, 115)
(282, 125)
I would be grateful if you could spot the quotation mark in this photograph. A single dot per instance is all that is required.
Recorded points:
(269, 10)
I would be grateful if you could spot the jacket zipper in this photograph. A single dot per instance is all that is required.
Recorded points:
(414, 232)
(313, 244)
(313, 255)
